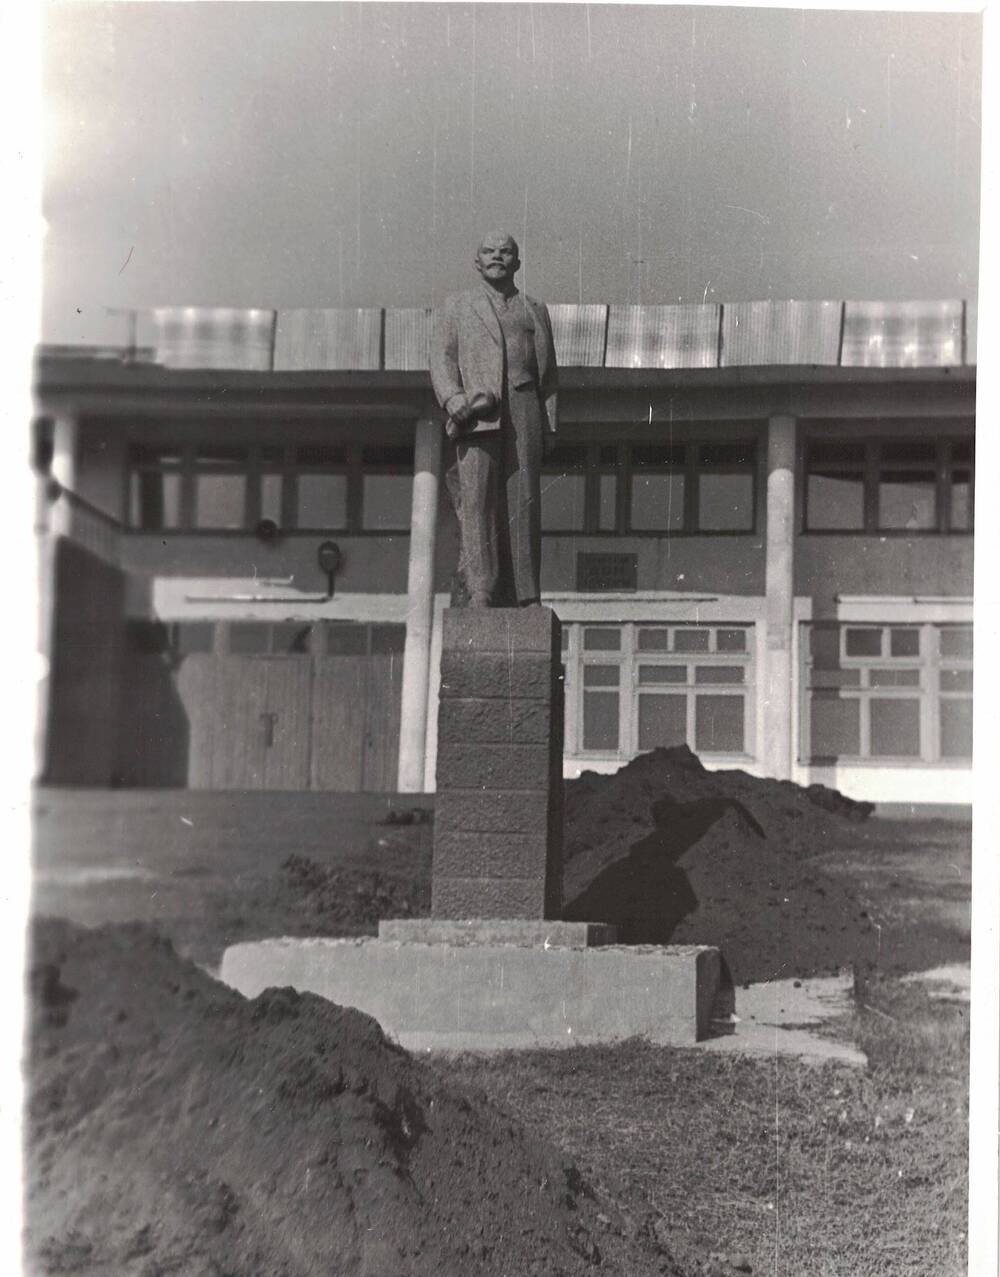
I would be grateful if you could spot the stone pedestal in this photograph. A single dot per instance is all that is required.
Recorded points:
(493, 968)
(498, 812)
(491, 996)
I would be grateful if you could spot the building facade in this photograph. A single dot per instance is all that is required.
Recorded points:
(757, 532)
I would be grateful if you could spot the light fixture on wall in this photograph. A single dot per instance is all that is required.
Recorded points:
(267, 530)
(330, 560)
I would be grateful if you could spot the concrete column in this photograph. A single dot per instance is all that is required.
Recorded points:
(52, 521)
(420, 607)
(64, 437)
(63, 470)
(778, 672)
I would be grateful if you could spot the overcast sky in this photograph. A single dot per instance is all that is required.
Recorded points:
(344, 155)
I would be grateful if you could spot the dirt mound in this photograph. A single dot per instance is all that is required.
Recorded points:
(175, 1127)
(336, 895)
(672, 852)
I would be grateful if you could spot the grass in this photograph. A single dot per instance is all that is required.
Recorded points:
(799, 1170)
(791, 1167)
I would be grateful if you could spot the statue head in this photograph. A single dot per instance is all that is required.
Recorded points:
(497, 258)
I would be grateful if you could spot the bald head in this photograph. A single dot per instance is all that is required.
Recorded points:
(498, 259)
(494, 239)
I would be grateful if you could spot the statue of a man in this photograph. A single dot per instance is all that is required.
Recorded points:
(493, 367)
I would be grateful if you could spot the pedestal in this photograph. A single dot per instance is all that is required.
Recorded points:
(498, 811)
(493, 968)
(491, 996)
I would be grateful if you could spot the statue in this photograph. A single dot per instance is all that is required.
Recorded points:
(493, 368)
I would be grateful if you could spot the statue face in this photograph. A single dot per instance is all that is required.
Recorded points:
(497, 259)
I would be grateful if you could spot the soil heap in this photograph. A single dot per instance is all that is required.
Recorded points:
(674, 853)
(175, 1127)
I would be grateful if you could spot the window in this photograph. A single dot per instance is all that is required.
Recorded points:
(635, 687)
(681, 488)
(835, 486)
(907, 486)
(269, 638)
(607, 489)
(352, 638)
(564, 489)
(321, 488)
(883, 485)
(693, 487)
(887, 692)
(960, 487)
(219, 477)
(656, 487)
(306, 487)
(155, 488)
(386, 489)
(726, 488)
(174, 639)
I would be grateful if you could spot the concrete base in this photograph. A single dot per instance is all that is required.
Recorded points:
(495, 996)
(526, 932)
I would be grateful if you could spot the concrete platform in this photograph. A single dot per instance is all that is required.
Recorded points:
(527, 932)
(786, 1017)
(476, 997)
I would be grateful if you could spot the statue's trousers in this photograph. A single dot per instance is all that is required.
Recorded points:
(495, 485)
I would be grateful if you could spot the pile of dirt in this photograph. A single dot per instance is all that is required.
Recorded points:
(334, 896)
(672, 852)
(175, 1127)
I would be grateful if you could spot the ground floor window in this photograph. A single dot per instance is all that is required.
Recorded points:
(633, 687)
(879, 693)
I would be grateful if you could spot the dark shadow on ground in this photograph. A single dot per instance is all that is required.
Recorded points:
(645, 893)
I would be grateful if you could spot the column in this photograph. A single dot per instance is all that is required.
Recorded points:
(420, 606)
(777, 665)
(63, 470)
(53, 519)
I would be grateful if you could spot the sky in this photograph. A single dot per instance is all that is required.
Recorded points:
(326, 154)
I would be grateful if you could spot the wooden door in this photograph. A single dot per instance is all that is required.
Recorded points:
(197, 687)
(286, 722)
(340, 690)
(239, 736)
(381, 738)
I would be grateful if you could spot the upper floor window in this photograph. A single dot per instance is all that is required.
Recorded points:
(694, 487)
(883, 485)
(386, 488)
(219, 477)
(308, 487)
(321, 480)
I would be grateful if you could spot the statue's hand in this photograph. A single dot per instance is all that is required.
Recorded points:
(461, 411)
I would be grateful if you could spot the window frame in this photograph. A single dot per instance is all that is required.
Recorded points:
(929, 662)
(623, 468)
(576, 658)
(874, 462)
(260, 461)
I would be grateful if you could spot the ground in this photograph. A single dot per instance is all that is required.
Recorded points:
(733, 1164)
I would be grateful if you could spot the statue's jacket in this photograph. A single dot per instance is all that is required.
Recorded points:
(467, 354)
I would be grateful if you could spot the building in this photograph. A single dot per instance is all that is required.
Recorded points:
(758, 536)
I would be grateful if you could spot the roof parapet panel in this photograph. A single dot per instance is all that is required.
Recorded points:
(663, 337)
(927, 334)
(338, 340)
(758, 333)
(858, 334)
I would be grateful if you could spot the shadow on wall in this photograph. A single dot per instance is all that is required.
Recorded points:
(154, 733)
(84, 738)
